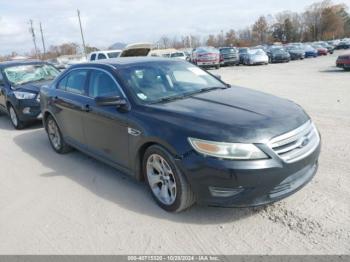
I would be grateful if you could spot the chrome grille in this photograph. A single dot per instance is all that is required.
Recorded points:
(296, 144)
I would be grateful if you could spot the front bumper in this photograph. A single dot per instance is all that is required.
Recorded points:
(295, 56)
(343, 64)
(208, 63)
(28, 109)
(280, 59)
(230, 61)
(254, 183)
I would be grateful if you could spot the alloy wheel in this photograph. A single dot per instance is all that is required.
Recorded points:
(13, 116)
(161, 179)
(54, 134)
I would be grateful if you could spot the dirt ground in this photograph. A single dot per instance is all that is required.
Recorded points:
(72, 204)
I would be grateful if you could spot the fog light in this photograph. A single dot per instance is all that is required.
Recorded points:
(224, 192)
(26, 110)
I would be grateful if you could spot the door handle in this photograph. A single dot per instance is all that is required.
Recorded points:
(55, 99)
(86, 108)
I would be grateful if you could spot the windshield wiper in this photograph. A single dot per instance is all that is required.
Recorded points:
(203, 90)
(167, 99)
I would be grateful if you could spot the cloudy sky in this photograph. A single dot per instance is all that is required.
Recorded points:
(108, 21)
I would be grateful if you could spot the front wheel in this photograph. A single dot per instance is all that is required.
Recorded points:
(16, 122)
(55, 136)
(168, 185)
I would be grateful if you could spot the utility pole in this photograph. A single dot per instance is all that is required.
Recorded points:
(81, 32)
(31, 30)
(42, 40)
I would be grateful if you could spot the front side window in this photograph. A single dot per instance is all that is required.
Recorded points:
(74, 82)
(101, 56)
(23, 74)
(101, 84)
(154, 82)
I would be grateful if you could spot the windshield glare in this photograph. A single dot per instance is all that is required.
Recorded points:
(153, 82)
(19, 75)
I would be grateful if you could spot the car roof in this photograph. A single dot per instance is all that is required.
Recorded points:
(124, 61)
(20, 62)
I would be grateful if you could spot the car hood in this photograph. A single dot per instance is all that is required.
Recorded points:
(232, 115)
(296, 51)
(33, 87)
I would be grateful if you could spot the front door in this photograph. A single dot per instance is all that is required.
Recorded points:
(106, 128)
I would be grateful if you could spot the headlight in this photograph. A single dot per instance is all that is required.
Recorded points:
(227, 150)
(24, 95)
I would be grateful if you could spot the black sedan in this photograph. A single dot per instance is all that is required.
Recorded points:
(20, 84)
(189, 135)
(295, 52)
(278, 54)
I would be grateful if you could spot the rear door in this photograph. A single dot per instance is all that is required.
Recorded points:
(70, 102)
(105, 127)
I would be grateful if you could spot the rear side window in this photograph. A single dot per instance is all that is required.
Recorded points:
(101, 56)
(102, 84)
(74, 82)
(93, 57)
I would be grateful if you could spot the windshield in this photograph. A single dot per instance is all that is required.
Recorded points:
(113, 54)
(227, 50)
(243, 50)
(156, 82)
(257, 52)
(19, 75)
(179, 54)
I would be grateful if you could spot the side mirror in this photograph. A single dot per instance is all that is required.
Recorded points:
(116, 101)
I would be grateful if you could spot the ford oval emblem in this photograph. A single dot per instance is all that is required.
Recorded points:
(305, 142)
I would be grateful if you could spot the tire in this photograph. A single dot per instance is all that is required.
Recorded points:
(55, 136)
(217, 67)
(15, 121)
(175, 198)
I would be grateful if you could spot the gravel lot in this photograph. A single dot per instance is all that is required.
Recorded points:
(72, 204)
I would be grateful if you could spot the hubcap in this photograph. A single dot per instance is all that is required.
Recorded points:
(54, 134)
(13, 116)
(161, 179)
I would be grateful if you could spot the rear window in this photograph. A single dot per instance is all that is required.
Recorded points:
(113, 54)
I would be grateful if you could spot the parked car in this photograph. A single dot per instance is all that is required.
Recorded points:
(277, 54)
(256, 57)
(243, 54)
(104, 54)
(329, 47)
(343, 45)
(310, 51)
(136, 49)
(177, 55)
(206, 57)
(343, 61)
(20, 83)
(295, 52)
(230, 56)
(320, 49)
(145, 117)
